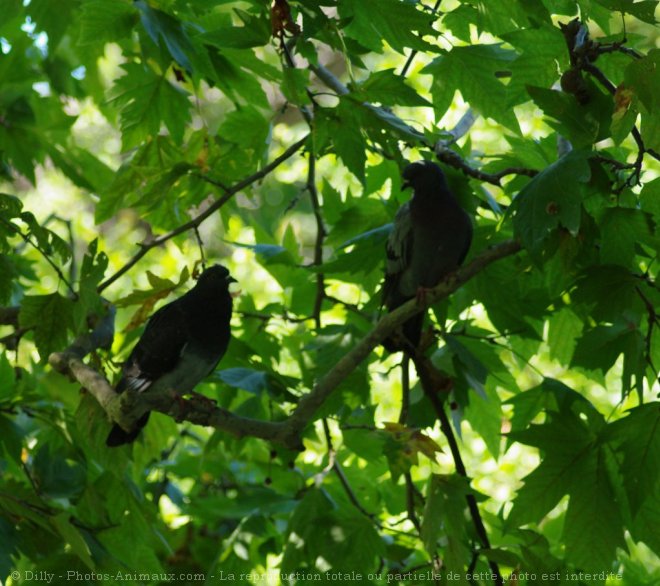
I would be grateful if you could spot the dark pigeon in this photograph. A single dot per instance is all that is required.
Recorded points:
(181, 345)
(430, 238)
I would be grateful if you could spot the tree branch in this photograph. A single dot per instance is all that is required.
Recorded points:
(428, 375)
(128, 407)
(215, 206)
(441, 149)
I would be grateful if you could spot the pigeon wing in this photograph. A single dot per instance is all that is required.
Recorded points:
(158, 350)
(398, 256)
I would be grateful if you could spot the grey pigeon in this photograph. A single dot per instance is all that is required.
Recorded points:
(430, 238)
(181, 345)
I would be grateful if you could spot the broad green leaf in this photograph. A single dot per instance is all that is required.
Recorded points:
(57, 475)
(256, 32)
(550, 200)
(51, 316)
(72, 536)
(146, 101)
(389, 89)
(8, 541)
(593, 511)
(598, 349)
(472, 70)
(7, 379)
(540, 50)
(256, 382)
(644, 10)
(567, 444)
(581, 124)
(638, 438)
(605, 293)
(444, 518)
(105, 22)
(564, 327)
(649, 199)
(621, 229)
(375, 21)
(294, 86)
(166, 29)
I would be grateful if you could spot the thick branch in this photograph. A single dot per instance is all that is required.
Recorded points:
(309, 404)
(215, 206)
(126, 408)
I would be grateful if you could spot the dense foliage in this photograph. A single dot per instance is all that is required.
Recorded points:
(138, 137)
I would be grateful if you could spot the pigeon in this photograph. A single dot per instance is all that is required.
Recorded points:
(181, 345)
(430, 238)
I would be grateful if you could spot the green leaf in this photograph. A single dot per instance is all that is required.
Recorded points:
(644, 9)
(566, 444)
(51, 316)
(540, 49)
(106, 22)
(638, 438)
(294, 86)
(574, 121)
(256, 32)
(472, 70)
(364, 248)
(169, 30)
(54, 19)
(250, 129)
(8, 276)
(348, 140)
(444, 518)
(392, 21)
(599, 347)
(7, 380)
(8, 547)
(72, 536)
(593, 511)
(57, 475)
(649, 199)
(546, 203)
(389, 89)
(621, 229)
(256, 382)
(605, 293)
(146, 100)
(564, 327)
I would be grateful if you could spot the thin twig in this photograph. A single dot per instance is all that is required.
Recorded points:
(215, 206)
(413, 53)
(424, 370)
(43, 253)
(338, 470)
(410, 503)
(453, 159)
(426, 377)
(320, 236)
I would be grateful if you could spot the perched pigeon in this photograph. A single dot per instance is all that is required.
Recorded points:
(430, 238)
(182, 343)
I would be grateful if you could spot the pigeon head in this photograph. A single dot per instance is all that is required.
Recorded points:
(424, 177)
(215, 277)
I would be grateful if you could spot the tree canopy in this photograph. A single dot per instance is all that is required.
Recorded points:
(142, 139)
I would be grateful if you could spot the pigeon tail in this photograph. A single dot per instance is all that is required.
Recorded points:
(119, 437)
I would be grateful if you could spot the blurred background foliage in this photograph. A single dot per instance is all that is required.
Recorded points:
(121, 122)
